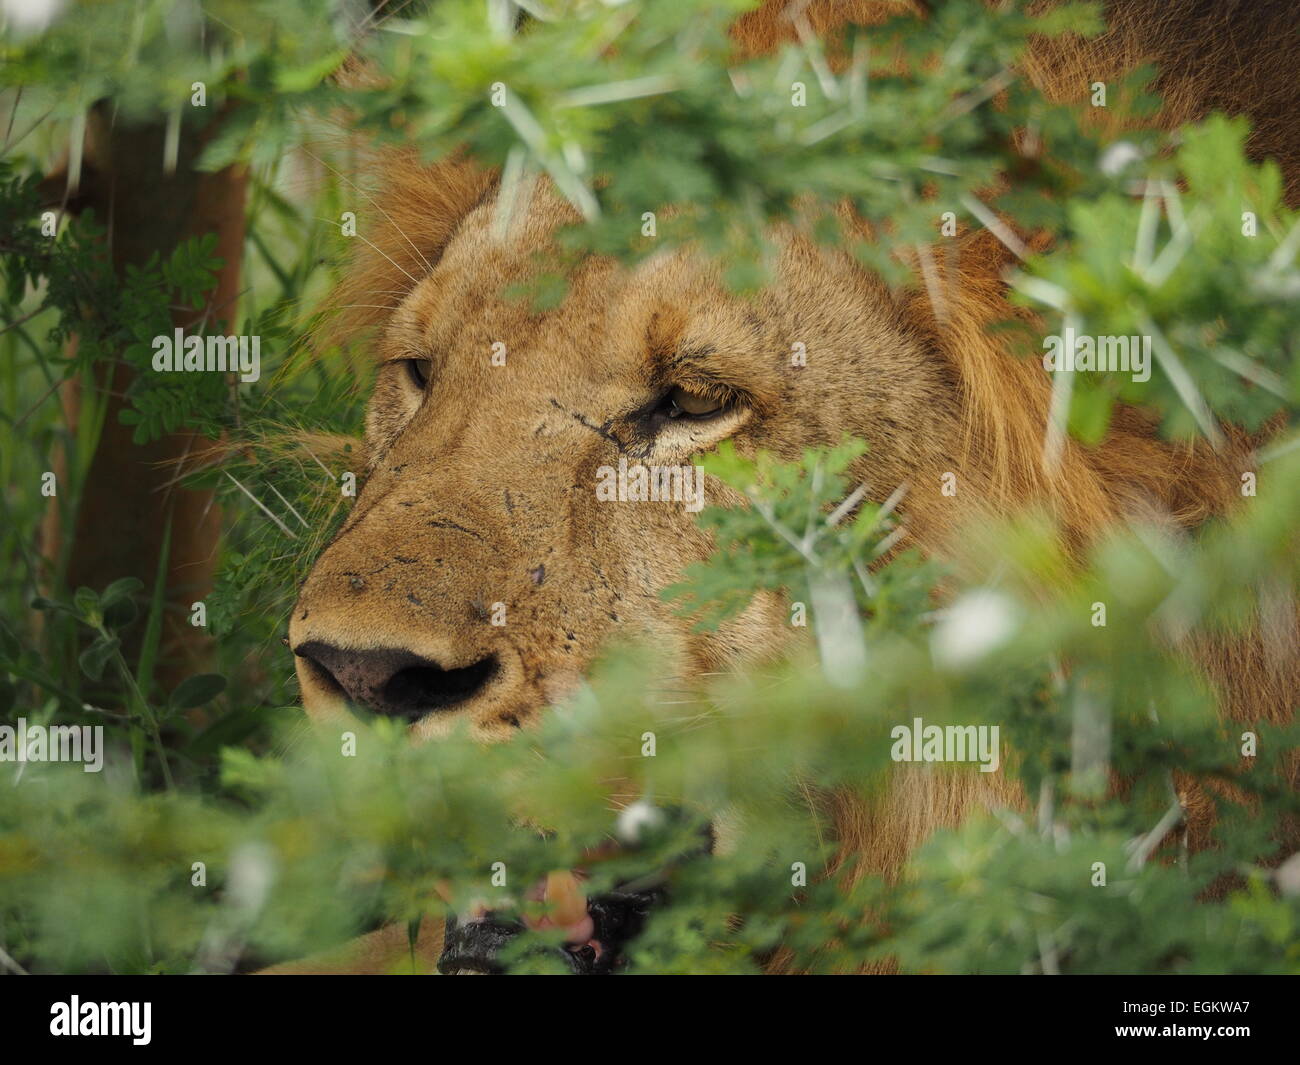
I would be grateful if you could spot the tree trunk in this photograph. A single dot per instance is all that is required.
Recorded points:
(127, 499)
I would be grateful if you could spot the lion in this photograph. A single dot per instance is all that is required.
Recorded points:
(478, 478)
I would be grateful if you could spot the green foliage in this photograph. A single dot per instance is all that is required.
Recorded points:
(107, 317)
(1033, 917)
(796, 529)
(642, 113)
(1167, 265)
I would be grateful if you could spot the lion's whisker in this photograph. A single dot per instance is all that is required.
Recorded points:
(343, 177)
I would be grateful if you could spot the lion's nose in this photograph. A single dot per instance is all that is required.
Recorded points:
(397, 682)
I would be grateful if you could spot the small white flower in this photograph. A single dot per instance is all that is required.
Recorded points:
(979, 622)
(30, 16)
(636, 819)
(1288, 876)
(252, 872)
(1118, 156)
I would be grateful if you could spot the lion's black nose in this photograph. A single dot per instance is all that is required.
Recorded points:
(397, 682)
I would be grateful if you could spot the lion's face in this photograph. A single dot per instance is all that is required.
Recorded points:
(480, 571)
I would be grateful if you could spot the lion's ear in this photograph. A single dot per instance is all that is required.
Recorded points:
(401, 221)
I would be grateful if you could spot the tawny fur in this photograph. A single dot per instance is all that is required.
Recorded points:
(472, 488)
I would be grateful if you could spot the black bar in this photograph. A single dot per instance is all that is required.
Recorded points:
(306, 1014)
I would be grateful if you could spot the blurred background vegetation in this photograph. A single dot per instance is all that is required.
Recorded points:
(226, 217)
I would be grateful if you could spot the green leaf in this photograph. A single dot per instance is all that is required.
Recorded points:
(42, 603)
(226, 731)
(120, 614)
(123, 588)
(93, 659)
(153, 625)
(197, 690)
(10, 648)
(1090, 415)
(86, 601)
(300, 79)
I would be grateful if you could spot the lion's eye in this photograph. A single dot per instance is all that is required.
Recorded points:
(418, 370)
(681, 403)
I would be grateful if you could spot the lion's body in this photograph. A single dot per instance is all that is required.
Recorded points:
(479, 492)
